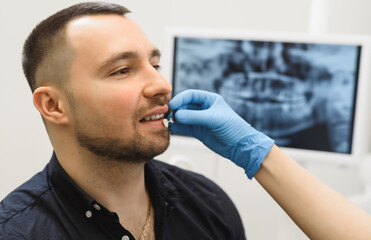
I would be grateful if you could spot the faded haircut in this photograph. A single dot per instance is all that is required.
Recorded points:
(47, 57)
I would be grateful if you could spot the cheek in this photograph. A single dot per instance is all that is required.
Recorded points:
(119, 105)
(110, 102)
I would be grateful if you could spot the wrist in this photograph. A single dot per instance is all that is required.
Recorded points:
(250, 152)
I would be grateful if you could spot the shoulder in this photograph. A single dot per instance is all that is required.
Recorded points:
(187, 180)
(202, 200)
(195, 189)
(19, 207)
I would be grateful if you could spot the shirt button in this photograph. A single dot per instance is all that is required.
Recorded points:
(88, 214)
(97, 207)
(125, 238)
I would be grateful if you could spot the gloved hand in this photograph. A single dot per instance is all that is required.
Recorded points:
(207, 117)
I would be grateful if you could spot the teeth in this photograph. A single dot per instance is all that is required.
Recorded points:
(154, 117)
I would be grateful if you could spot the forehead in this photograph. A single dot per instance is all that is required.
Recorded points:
(99, 36)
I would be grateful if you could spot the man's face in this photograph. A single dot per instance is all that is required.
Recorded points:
(114, 86)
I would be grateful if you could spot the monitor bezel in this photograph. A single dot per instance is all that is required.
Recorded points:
(361, 128)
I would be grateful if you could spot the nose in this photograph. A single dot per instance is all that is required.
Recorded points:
(157, 85)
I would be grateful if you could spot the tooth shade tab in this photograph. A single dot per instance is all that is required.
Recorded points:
(166, 122)
(154, 117)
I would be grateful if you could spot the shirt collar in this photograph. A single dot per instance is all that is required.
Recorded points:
(66, 188)
(158, 185)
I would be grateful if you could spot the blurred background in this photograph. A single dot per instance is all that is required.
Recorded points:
(24, 144)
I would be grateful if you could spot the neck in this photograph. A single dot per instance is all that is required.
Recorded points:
(114, 184)
(119, 186)
(104, 178)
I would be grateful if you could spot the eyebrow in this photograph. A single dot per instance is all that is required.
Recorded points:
(125, 55)
(155, 53)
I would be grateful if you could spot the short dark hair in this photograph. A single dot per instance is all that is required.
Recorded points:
(48, 37)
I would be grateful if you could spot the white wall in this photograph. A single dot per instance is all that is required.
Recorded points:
(25, 147)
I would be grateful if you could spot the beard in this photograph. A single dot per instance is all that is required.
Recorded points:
(129, 149)
(136, 150)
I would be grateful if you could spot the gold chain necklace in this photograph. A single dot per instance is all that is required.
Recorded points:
(147, 223)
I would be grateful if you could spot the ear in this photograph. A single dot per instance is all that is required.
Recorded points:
(49, 103)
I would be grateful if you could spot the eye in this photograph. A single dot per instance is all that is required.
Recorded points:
(121, 71)
(157, 67)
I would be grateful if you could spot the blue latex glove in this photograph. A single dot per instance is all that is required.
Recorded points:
(208, 117)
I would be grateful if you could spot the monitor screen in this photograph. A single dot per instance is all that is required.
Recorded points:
(303, 94)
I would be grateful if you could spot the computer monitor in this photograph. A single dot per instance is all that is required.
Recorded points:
(307, 92)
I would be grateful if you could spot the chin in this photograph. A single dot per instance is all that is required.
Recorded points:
(160, 146)
(136, 149)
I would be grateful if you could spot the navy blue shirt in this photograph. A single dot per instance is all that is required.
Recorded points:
(52, 206)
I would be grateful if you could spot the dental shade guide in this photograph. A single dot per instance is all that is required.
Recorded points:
(166, 122)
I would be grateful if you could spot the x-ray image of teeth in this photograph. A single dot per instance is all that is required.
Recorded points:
(302, 95)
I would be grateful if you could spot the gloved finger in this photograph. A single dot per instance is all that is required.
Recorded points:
(194, 117)
(190, 107)
(194, 97)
